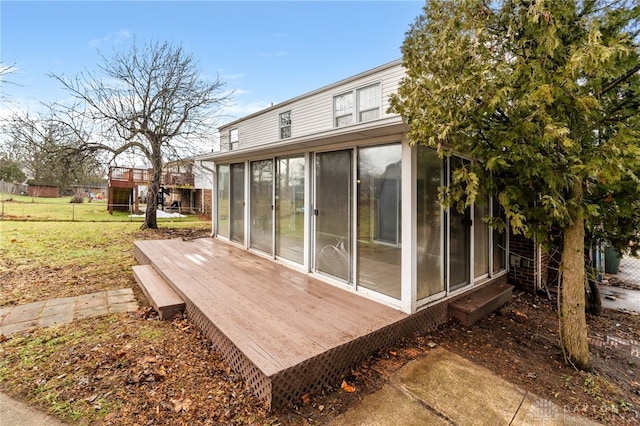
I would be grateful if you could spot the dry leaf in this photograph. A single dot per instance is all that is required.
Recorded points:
(147, 359)
(347, 387)
(181, 405)
(305, 399)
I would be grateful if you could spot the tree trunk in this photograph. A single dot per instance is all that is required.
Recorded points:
(151, 216)
(573, 322)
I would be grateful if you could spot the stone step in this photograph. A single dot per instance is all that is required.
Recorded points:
(479, 303)
(159, 294)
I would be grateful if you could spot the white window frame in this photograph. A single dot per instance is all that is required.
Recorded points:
(337, 116)
(282, 127)
(234, 138)
(356, 111)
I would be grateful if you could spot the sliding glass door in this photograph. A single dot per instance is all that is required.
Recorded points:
(379, 202)
(222, 227)
(430, 225)
(460, 225)
(332, 211)
(237, 203)
(261, 209)
(289, 205)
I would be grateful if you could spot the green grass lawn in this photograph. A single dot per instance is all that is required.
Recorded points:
(21, 207)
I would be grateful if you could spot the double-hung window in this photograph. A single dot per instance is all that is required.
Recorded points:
(285, 125)
(365, 108)
(368, 103)
(343, 109)
(233, 139)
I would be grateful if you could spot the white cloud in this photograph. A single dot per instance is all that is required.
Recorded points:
(114, 38)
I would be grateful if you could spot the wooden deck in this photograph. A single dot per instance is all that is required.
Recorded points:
(287, 333)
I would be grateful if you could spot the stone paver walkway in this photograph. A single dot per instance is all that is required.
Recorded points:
(64, 310)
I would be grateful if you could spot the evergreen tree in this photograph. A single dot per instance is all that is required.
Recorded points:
(544, 96)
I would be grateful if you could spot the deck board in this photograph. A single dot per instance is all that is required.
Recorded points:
(289, 315)
(286, 324)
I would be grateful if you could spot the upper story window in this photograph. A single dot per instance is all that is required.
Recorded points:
(367, 105)
(233, 139)
(343, 109)
(285, 125)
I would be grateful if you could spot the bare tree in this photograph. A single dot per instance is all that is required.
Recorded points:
(50, 152)
(150, 100)
(4, 71)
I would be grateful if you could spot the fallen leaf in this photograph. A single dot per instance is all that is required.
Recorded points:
(347, 387)
(181, 405)
(305, 399)
(147, 359)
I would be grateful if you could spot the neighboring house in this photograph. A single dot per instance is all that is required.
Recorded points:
(189, 183)
(186, 185)
(328, 184)
(44, 191)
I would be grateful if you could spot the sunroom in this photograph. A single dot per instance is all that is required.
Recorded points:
(327, 183)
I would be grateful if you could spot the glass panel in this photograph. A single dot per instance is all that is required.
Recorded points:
(343, 109)
(499, 240)
(285, 125)
(290, 209)
(223, 200)
(333, 205)
(237, 202)
(369, 102)
(371, 114)
(261, 205)
(429, 224)
(459, 242)
(379, 179)
(480, 237)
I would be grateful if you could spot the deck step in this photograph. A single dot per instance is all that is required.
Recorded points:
(159, 294)
(479, 303)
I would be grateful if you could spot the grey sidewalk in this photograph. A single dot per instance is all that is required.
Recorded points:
(64, 310)
(15, 413)
(620, 298)
(445, 389)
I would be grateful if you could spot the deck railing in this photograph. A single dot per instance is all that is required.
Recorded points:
(128, 174)
(143, 176)
(178, 179)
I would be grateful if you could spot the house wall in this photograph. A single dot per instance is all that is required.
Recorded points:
(528, 264)
(379, 267)
(311, 113)
(203, 201)
(43, 191)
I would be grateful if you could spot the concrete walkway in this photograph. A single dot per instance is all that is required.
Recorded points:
(48, 313)
(64, 310)
(15, 413)
(445, 389)
(620, 298)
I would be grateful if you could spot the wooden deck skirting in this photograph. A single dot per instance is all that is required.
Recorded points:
(285, 332)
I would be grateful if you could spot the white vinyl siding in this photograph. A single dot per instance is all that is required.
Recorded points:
(315, 112)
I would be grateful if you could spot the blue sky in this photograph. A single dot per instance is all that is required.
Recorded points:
(265, 51)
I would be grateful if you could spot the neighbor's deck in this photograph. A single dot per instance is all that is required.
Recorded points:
(286, 332)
